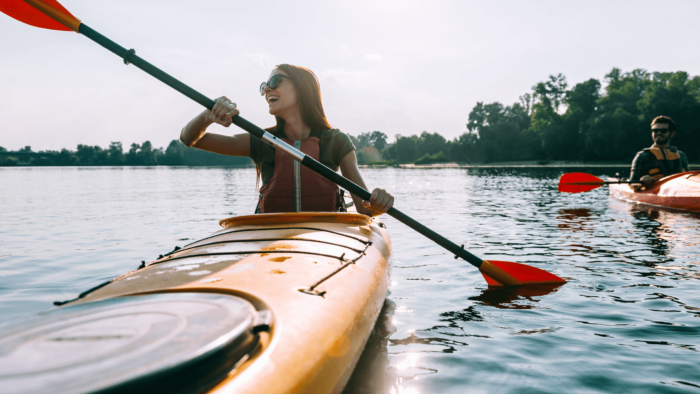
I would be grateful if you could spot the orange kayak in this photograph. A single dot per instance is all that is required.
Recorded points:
(272, 303)
(678, 191)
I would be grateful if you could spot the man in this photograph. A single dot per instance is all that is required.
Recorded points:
(661, 159)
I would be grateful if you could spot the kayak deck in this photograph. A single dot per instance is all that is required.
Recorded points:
(678, 191)
(315, 338)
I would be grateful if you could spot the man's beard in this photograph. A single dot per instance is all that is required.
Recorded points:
(662, 140)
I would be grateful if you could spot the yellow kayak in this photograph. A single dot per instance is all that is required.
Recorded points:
(272, 303)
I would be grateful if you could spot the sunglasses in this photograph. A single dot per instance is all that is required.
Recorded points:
(662, 131)
(272, 83)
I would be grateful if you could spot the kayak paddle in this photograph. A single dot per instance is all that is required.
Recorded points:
(49, 14)
(578, 182)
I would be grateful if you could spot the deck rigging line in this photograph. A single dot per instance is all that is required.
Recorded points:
(341, 258)
(165, 258)
(261, 240)
(312, 290)
(364, 241)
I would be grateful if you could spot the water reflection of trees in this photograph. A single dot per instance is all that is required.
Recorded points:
(652, 229)
(648, 223)
(659, 231)
(576, 220)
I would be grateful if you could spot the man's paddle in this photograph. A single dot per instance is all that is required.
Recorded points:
(496, 273)
(578, 182)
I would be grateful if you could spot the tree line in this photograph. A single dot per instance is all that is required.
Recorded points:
(556, 122)
(585, 122)
(143, 154)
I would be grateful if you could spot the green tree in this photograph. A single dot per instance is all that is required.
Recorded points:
(615, 128)
(403, 150)
(547, 97)
(85, 155)
(363, 140)
(463, 148)
(174, 154)
(566, 139)
(500, 132)
(133, 158)
(406, 151)
(101, 156)
(430, 144)
(115, 154)
(65, 158)
(439, 157)
(678, 96)
(379, 140)
(147, 154)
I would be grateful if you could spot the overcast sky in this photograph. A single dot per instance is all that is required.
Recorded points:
(401, 67)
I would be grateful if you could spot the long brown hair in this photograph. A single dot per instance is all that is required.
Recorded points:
(309, 102)
(308, 98)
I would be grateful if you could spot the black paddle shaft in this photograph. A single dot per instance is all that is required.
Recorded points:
(130, 57)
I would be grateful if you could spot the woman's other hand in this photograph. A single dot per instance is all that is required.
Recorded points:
(380, 201)
(222, 113)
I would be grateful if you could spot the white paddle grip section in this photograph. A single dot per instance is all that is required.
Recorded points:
(283, 146)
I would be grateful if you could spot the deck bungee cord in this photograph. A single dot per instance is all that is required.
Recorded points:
(312, 289)
(173, 255)
(361, 240)
(233, 241)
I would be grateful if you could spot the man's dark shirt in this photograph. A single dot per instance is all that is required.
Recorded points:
(645, 161)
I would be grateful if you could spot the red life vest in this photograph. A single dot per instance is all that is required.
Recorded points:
(295, 188)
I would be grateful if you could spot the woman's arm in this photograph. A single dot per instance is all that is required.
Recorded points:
(194, 134)
(379, 202)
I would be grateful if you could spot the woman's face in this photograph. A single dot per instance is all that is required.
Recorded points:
(283, 98)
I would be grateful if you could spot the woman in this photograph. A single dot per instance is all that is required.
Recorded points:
(294, 98)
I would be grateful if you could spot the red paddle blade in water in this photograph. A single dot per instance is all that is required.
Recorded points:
(578, 182)
(506, 273)
(23, 11)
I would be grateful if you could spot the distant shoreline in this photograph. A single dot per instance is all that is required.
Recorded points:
(518, 164)
(507, 164)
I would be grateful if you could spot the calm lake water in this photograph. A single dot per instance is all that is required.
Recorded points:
(628, 320)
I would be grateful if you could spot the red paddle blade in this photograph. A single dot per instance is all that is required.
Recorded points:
(506, 273)
(29, 12)
(578, 182)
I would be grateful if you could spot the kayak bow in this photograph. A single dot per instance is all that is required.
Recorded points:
(231, 313)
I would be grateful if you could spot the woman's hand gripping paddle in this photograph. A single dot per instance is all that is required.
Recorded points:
(579, 182)
(496, 273)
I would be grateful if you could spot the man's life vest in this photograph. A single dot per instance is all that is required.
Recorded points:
(668, 162)
(295, 188)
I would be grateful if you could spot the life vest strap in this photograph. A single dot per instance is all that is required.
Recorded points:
(297, 180)
(664, 157)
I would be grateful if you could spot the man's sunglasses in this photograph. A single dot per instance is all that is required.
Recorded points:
(272, 83)
(662, 131)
